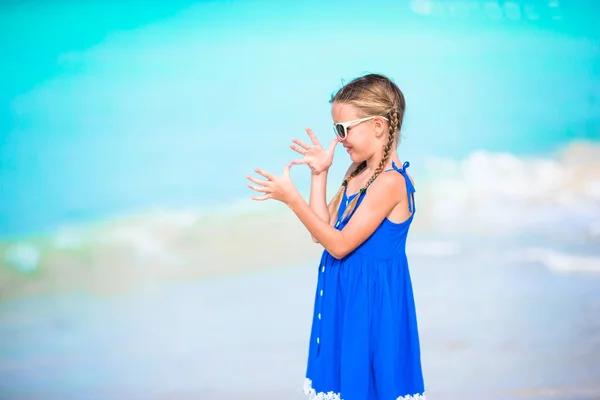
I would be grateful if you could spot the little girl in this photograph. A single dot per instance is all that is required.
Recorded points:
(364, 343)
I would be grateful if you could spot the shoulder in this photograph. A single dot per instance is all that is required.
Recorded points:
(390, 187)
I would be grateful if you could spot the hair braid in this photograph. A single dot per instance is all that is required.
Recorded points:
(387, 149)
(337, 199)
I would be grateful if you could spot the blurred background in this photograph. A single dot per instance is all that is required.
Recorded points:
(133, 264)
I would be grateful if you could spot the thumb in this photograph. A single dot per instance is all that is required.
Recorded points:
(333, 144)
(286, 170)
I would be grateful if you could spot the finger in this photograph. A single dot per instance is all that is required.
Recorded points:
(258, 189)
(257, 181)
(312, 137)
(286, 170)
(300, 143)
(264, 173)
(298, 149)
(262, 198)
(333, 143)
(298, 162)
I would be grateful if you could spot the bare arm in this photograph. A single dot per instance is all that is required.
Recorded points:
(383, 195)
(318, 195)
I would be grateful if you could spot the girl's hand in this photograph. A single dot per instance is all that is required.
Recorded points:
(280, 188)
(315, 156)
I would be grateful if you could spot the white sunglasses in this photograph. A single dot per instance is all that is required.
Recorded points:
(341, 129)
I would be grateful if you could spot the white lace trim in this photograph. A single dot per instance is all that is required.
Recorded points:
(313, 395)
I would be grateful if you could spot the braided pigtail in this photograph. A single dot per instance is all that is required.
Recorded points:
(387, 150)
(337, 199)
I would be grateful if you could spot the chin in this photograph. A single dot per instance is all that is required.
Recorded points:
(356, 158)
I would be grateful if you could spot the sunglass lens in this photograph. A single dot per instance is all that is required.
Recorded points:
(340, 131)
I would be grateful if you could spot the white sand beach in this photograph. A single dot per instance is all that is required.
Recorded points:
(490, 328)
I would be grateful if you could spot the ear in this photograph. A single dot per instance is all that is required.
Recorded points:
(380, 127)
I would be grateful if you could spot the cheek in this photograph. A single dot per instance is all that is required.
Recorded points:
(357, 140)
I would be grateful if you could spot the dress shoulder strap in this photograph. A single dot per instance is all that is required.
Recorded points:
(410, 188)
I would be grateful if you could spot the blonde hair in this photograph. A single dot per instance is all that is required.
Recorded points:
(371, 95)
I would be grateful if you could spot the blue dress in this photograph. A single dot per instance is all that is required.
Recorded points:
(364, 342)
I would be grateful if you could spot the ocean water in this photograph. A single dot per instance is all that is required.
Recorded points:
(129, 133)
(119, 110)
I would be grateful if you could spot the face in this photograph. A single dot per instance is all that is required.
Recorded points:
(363, 139)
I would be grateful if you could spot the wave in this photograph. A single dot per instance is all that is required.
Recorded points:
(486, 194)
(501, 193)
(559, 261)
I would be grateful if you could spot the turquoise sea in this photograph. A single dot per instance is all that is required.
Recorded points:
(110, 109)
